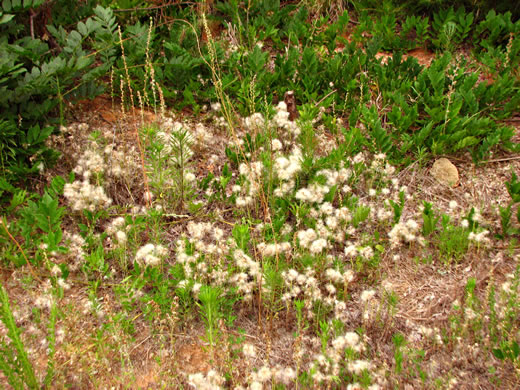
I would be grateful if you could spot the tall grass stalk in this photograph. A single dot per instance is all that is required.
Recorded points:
(14, 360)
(229, 117)
(51, 339)
(148, 198)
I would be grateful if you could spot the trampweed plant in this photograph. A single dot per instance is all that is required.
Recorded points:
(210, 303)
(169, 161)
(452, 241)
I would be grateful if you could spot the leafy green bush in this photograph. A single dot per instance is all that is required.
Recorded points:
(477, 6)
(36, 79)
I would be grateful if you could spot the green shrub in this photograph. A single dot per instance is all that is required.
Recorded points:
(36, 80)
(480, 7)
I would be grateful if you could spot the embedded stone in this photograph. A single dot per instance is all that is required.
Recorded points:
(445, 172)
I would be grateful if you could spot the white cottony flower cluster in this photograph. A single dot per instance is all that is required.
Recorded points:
(337, 277)
(366, 252)
(284, 188)
(406, 232)
(150, 254)
(327, 365)
(253, 174)
(198, 231)
(75, 243)
(82, 195)
(313, 193)
(255, 121)
(370, 304)
(243, 201)
(43, 301)
(477, 217)
(285, 375)
(358, 366)
(211, 381)
(298, 284)
(380, 166)
(479, 238)
(367, 295)
(122, 163)
(318, 246)
(343, 214)
(249, 350)
(116, 224)
(326, 208)
(281, 119)
(90, 162)
(201, 135)
(121, 237)
(164, 138)
(287, 168)
(202, 252)
(348, 340)
(335, 177)
(250, 273)
(330, 224)
(117, 228)
(189, 177)
(264, 374)
(251, 171)
(358, 158)
(276, 145)
(273, 249)
(352, 251)
(306, 237)
(383, 214)
(333, 275)
(279, 374)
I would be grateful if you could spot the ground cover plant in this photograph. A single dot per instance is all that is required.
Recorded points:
(243, 195)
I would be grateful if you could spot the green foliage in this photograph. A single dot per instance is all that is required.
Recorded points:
(478, 6)
(507, 350)
(169, 162)
(452, 241)
(382, 140)
(38, 222)
(398, 206)
(429, 219)
(181, 153)
(513, 188)
(451, 27)
(210, 302)
(242, 236)
(399, 341)
(34, 82)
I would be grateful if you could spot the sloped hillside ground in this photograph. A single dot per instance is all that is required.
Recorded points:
(294, 246)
